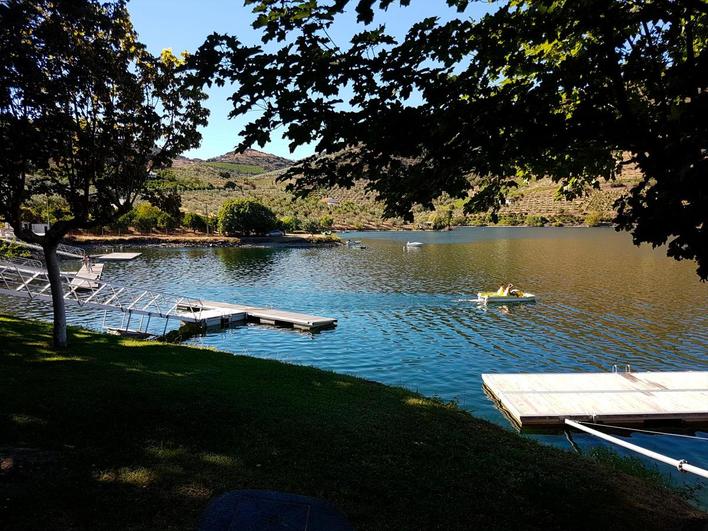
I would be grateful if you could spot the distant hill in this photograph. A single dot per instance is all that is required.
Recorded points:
(253, 157)
(205, 184)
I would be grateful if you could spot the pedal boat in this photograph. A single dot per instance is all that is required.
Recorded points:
(495, 297)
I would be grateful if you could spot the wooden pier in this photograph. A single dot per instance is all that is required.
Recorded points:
(29, 279)
(270, 316)
(87, 278)
(546, 400)
(117, 257)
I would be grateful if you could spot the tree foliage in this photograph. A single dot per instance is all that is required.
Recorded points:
(245, 216)
(571, 89)
(86, 113)
(194, 221)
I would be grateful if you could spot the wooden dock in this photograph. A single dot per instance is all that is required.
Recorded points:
(117, 257)
(545, 400)
(271, 316)
(29, 279)
(87, 278)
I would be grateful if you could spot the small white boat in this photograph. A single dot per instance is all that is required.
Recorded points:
(487, 297)
(414, 244)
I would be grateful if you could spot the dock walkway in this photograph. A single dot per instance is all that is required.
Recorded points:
(87, 278)
(275, 317)
(26, 280)
(545, 400)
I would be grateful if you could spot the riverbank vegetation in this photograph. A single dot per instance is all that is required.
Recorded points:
(115, 434)
(534, 204)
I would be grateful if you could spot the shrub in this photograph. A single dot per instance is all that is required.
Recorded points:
(145, 217)
(311, 226)
(442, 218)
(245, 216)
(229, 185)
(326, 222)
(166, 221)
(561, 220)
(460, 221)
(533, 220)
(509, 219)
(289, 223)
(123, 222)
(479, 220)
(593, 219)
(194, 221)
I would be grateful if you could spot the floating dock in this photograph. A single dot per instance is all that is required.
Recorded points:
(29, 279)
(275, 317)
(117, 257)
(546, 400)
(87, 278)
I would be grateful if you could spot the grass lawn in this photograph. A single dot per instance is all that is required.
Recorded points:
(119, 434)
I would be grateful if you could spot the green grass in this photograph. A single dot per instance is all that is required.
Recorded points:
(120, 434)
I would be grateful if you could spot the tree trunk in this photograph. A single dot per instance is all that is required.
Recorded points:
(58, 305)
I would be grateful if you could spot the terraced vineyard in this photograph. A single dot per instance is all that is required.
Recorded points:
(538, 198)
(352, 208)
(355, 208)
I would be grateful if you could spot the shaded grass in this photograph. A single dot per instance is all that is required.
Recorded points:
(120, 434)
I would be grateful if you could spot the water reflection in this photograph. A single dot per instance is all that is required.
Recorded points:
(255, 264)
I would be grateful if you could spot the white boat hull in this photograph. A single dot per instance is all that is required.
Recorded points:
(500, 299)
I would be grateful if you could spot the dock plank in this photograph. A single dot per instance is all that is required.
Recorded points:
(272, 316)
(87, 278)
(546, 399)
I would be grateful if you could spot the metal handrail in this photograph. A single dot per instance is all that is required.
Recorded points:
(23, 262)
(17, 279)
(62, 248)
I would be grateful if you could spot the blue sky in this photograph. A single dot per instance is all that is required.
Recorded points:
(184, 24)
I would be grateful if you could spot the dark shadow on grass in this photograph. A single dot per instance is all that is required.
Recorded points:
(146, 433)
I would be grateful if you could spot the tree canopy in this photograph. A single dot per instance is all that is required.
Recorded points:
(570, 89)
(85, 114)
(245, 216)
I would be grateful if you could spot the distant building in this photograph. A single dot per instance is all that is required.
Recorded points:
(329, 201)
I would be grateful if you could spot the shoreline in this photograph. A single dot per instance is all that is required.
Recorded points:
(178, 240)
(455, 227)
(288, 240)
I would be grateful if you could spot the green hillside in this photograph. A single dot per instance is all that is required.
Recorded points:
(205, 185)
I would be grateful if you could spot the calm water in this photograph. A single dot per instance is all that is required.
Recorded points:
(405, 316)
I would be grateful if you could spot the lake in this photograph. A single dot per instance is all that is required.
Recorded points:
(406, 316)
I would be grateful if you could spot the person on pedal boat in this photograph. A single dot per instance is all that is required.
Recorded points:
(509, 291)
